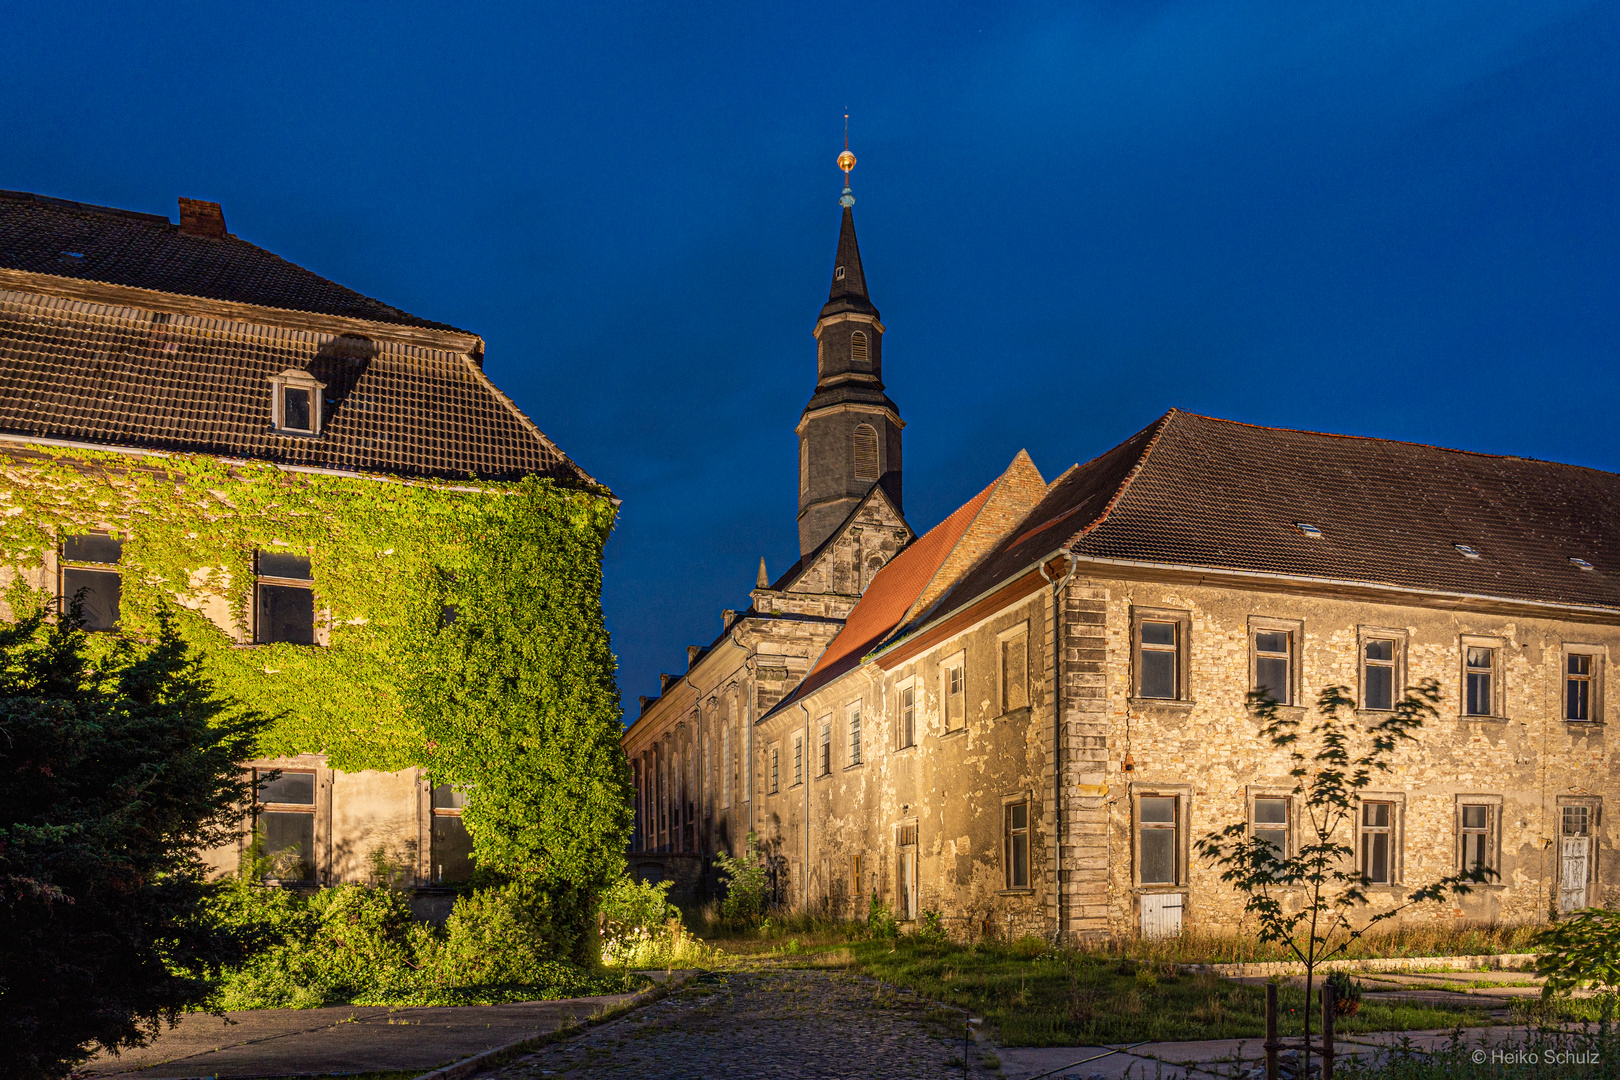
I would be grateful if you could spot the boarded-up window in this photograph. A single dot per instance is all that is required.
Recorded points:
(452, 850)
(866, 452)
(1015, 671)
(804, 465)
(857, 348)
(953, 690)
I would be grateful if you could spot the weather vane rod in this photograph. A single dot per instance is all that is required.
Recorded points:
(846, 161)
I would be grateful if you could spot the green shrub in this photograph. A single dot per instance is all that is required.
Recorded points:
(1582, 950)
(1346, 993)
(747, 886)
(881, 925)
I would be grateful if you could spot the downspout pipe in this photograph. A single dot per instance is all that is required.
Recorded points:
(805, 763)
(1057, 738)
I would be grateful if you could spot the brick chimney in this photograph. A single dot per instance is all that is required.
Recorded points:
(199, 218)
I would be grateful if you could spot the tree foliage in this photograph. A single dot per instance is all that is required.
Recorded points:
(1315, 900)
(1582, 950)
(117, 763)
(747, 881)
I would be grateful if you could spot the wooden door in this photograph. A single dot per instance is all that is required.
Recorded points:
(1161, 915)
(1575, 862)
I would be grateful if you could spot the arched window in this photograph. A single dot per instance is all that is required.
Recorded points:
(866, 452)
(857, 347)
(804, 466)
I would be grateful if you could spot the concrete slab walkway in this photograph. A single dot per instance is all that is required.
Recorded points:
(342, 1039)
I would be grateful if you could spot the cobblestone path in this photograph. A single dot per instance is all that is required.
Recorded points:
(804, 1025)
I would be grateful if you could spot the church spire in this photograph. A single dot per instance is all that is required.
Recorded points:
(849, 433)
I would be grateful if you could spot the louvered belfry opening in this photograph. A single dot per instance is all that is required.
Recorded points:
(866, 452)
(857, 348)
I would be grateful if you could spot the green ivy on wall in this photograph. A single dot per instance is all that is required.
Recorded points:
(465, 629)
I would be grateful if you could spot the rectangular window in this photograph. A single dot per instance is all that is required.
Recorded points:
(1475, 829)
(1159, 659)
(90, 577)
(826, 748)
(798, 760)
(285, 608)
(1015, 838)
(773, 773)
(1377, 842)
(1271, 822)
(1378, 674)
(1274, 664)
(725, 765)
(1580, 675)
(1158, 842)
(857, 885)
(285, 824)
(295, 409)
(1479, 672)
(855, 735)
(908, 716)
(1015, 670)
(953, 689)
(452, 854)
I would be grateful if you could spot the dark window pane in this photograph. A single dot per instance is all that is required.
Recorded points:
(1020, 815)
(295, 409)
(1277, 838)
(1271, 811)
(1271, 676)
(278, 564)
(1479, 693)
(1158, 633)
(1380, 688)
(1375, 856)
(446, 797)
(1473, 817)
(1479, 658)
(97, 592)
(92, 547)
(1158, 856)
(1158, 808)
(1380, 650)
(452, 850)
(1580, 664)
(1375, 815)
(1473, 850)
(1275, 641)
(1158, 674)
(1020, 862)
(289, 842)
(297, 788)
(1578, 705)
(286, 613)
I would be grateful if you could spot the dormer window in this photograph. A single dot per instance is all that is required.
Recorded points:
(295, 403)
(838, 274)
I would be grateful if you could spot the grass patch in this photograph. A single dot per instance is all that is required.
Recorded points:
(1039, 997)
(1194, 948)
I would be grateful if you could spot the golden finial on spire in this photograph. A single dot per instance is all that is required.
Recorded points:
(846, 161)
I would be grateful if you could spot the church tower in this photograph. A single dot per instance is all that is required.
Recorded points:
(849, 433)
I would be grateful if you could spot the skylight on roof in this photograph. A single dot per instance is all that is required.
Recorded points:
(1469, 552)
(1308, 529)
(1582, 563)
(70, 258)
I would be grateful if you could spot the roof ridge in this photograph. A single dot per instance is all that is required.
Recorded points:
(1163, 424)
(1383, 439)
(1072, 469)
(984, 499)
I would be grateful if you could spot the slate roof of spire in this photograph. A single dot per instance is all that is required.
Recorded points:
(1195, 491)
(848, 293)
(85, 357)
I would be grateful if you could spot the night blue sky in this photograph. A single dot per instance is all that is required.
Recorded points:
(1391, 219)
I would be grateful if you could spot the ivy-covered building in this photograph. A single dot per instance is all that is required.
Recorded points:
(360, 535)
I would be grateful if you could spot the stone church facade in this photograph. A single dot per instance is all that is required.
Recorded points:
(1025, 717)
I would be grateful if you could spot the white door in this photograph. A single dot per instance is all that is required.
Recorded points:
(908, 885)
(1574, 860)
(1161, 914)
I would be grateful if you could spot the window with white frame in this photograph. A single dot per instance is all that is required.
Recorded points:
(295, 403)
(90, 578)
(1015, 843)
(1014, 669)
(1158, 839)
(1482, 678)
(953, 691)
(1583, 685)
(1477, 825)
(1269, 821)
(1273, 660)
(1379, 841)
(854, 721)
(906, 722)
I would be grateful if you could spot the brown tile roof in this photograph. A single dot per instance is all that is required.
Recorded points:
(43, 235)
(136, 363)
(1196, 491)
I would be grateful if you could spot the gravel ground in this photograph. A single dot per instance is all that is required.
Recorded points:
(804, 1025)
